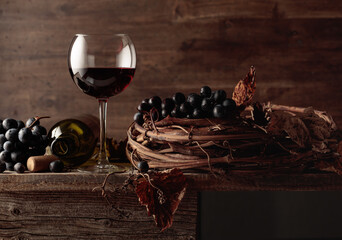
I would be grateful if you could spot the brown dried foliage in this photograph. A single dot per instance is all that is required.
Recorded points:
(161, 193)
(244, 90)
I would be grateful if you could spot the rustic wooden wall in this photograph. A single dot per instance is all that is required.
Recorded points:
(296, 47)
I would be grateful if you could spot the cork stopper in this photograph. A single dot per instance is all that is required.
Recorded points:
(40, 163)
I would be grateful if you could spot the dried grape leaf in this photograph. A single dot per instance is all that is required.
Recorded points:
(292, 125)
(320, 130)
(161, 193)
(244, 90)
(298, 132)
(318, 127)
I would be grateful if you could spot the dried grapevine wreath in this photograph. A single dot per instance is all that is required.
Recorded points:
(260, 137)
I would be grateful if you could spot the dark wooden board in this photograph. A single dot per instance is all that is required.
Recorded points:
(86, 215)
(66, 206)
(63, 206)
(73, 181)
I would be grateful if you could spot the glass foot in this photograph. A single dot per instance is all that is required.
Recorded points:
(106, 168)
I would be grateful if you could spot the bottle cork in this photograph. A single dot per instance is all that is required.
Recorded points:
(40, 163)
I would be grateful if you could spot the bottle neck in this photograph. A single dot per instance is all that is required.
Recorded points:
(65, 145)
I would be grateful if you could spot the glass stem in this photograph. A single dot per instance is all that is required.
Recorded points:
(102, 157)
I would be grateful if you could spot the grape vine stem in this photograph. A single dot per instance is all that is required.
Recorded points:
(107, 196)
(37, 119)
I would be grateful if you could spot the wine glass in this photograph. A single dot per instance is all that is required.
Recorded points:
(102, 65)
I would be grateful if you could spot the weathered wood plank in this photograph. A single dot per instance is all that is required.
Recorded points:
(183, 45)
(204, 10)
(63, 206)
(86, 215)
(130, 11)
(33, 182)
(284, 76)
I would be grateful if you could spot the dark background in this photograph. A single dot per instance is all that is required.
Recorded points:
(182, 45)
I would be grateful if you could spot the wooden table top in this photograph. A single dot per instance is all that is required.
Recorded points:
(77, 181)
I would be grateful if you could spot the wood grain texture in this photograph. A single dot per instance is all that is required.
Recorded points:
(73, 181)
(86, 215)
(64, 205)
(49, 208)
(181, 45)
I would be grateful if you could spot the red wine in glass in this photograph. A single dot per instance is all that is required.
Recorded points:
(102, 65)
(102, 82)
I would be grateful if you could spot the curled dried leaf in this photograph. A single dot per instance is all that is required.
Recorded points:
(284, 122)
(320, 130)
(161, 193)
(244, 90)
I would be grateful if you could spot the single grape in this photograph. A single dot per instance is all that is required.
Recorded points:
(207, 105)
(218, 111)
(12, 134)
(185, 108)
(5, 156)
(143, 166)
(178, 98)
(30, 121)
(195, 100)
(19, 167)
(168, 104)
(189, 116)
(39, 129)
(139, 118)
(165, 113)
(229, 104)
(176, 113)
(18, 156)
(9, 123)
(25, 135)
(9, 146)
(56, 166)
(2, 167)
(145, 100)
(155, 102)
(9, 166)
(205, 92)
(220, 96)
(197, 113)
(144, 107)
(21, 124)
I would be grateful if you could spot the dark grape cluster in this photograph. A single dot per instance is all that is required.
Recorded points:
(19, 141)
(206, 104)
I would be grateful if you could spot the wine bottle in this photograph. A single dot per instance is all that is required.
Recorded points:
(73, 140)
